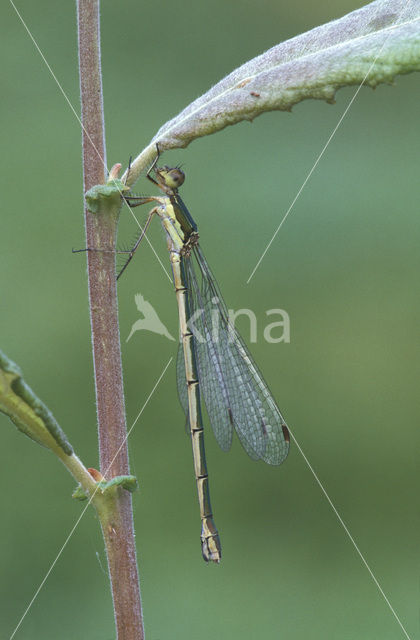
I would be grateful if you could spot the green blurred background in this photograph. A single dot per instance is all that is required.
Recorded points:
(344, 266)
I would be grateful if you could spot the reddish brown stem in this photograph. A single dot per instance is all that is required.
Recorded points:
(117, 525)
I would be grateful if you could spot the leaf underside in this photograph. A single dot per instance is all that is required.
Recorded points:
(368, 46)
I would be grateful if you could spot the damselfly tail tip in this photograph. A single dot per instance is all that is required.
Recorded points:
(211, 549)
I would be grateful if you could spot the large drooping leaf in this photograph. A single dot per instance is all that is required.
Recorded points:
(370, 46)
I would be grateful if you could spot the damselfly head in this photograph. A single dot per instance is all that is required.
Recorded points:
(169, 178)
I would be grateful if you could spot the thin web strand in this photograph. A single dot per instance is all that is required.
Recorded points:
(323, 150)
(343, 524)
(67, 99)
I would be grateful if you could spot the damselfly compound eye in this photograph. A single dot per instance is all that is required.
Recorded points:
(174, 178)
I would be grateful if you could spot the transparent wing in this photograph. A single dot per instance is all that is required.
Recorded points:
(210, 367)
(211, 385)
(234, 390)
(181, 379)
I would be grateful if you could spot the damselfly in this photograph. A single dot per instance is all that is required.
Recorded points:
(212, 356)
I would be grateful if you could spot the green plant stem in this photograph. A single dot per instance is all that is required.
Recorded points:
(117, 521)
(80, 474)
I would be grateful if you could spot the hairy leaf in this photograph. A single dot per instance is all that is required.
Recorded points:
(371, 46)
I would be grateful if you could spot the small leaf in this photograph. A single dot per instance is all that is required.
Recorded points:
(27, 411)
(103, 196)
(79, 494)
(126, 482)
(371, 45)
